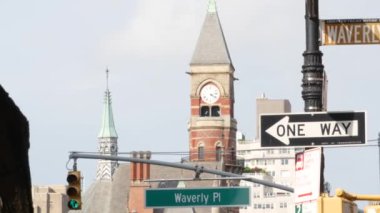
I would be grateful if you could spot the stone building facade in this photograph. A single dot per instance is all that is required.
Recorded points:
(50, 199)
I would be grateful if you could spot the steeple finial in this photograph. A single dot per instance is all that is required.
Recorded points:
(107, 71)
(211, 6)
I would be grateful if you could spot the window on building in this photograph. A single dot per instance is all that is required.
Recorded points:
(205, 111)
(283, 205)
(272, 173)
(284, 151)
(201, 153)
(256, 195)
(215, 111)
(270, 162)
(284, 161)
(261, 162)
(219, 152)
(233, 153)
(285, 173)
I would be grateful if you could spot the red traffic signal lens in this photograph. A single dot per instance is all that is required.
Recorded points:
(72, 191)
(72, 178)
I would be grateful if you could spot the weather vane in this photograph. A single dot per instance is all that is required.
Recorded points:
(107, 71)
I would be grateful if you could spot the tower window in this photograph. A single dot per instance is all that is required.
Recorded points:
(218, 156)
(233, 154)
(201, 153)
(205, 111)
(215, 111)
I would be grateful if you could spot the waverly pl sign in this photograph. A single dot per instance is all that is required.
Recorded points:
(350, 31)
(313, 129)
(195, 197)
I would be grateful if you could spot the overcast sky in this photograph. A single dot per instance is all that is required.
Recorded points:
(53, 56)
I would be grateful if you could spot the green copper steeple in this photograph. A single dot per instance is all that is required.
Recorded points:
(211, 6)
(108, 127)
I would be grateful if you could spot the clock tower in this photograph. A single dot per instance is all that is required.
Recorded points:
(212, 126)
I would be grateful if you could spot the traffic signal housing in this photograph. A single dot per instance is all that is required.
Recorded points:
(373, 207)
(73, 190)
(343, 202)
(336, 205)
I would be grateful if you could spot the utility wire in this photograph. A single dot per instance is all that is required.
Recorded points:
(370, 143)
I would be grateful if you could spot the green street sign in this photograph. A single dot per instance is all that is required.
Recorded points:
(191, 197)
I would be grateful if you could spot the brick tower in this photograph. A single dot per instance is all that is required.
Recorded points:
(212, 126)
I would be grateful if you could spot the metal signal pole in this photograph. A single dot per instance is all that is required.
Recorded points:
(197, 169)
(313, 69)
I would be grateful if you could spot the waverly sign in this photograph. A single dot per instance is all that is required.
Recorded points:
(313, 129)
(350, 31)
(197, 197)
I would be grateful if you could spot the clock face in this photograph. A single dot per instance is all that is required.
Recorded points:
(210, 93)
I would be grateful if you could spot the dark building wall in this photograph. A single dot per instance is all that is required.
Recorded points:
(15, 182)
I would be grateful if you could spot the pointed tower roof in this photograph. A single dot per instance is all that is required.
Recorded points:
(211, 46)
(108, 127)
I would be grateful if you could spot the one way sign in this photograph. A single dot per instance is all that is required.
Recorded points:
(313, 129)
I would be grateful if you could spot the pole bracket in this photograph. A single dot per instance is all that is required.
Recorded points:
(198, 172)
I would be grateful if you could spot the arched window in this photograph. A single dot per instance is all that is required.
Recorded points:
(218, 153)
(205, 111)
(215, 111)
(201, 152)
(233, 154)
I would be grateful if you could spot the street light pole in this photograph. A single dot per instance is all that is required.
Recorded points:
(313, 69)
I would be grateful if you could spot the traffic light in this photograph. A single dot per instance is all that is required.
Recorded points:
(373, 207)
(336, 205)
(73, 190)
